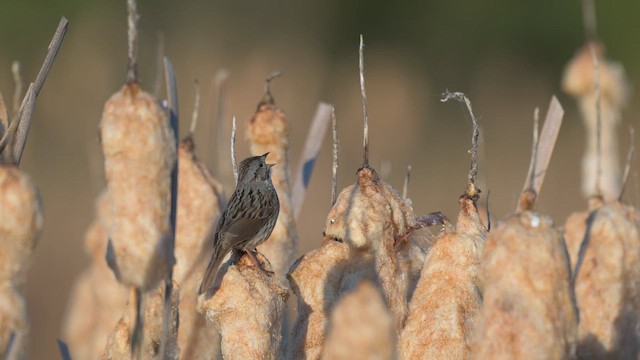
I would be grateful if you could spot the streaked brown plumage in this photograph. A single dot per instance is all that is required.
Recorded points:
(249, 217)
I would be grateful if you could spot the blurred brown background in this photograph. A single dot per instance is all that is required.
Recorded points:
(507, 57)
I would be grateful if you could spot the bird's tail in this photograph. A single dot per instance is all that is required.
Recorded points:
(212, 269)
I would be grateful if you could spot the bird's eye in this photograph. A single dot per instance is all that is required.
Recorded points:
(261, 165)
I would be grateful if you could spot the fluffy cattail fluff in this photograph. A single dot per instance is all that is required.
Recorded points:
(370, 216)
(139, 150)
(448, 296)
(268, 131)
(528, 309)
(200, 200)
(119, 342)
(579, 81)
(361, 326)
(22, 219)
(98, 299)
(608, 279)
(315, 280)
(248, 308)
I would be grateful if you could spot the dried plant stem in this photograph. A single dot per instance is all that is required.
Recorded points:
(405, 188)
(627, 167)
(172, 97)
(472, 190)
(312, 145)
(234, 163)
(589, 18)
(268, 97)
(159, 66)
(132, 34)
(544, 149)
(218, 137)
(18, 83)
(534, 145)
(598, 106)
(196, 107)
(363, 92)
(334, 167)
(23, 116)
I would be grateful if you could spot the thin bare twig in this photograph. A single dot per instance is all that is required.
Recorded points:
(159, 66)
(234, 163)
(596, 86)
(18, 84)
(363, 92)
(196, 107)
(23, 121)
(589, 19)
(268, 98)
(132, 35)
(4, 117)
(534, 145)
(405, 188)
(334, 168)
(546, 142)
(172, 105)
(488, 210)
(472, 189)
(217, 130)
(627, 167)
(27, 103)
(312, 145)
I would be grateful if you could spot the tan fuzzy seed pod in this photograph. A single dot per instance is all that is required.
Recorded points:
(448, 295)
(98, 299)
(608, 281)
(248, 308)
(371, 216)
(22, 220)
(315, 280)
(268, 131)
(200, 201)
(528, 311)
(139, 150)
(579, 80)
(361, 326)
(119, 342)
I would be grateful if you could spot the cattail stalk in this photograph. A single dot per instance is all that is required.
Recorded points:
(248, 308)
(268, 131)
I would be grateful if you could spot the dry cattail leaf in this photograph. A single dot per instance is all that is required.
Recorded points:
(200, 199)
(528, 308)
(248, 308)
(604, 245)
(268, 131)
(22, 220)
(139, 149)
(315, 280)
(579, 80)
(98, 299)
(448, 295)
(119, 342)
(371, 216)
(361, 326)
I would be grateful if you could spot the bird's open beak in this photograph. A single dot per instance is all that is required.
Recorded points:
(271, 165)
(265, 155)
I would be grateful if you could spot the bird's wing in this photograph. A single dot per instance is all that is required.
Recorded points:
(246, 223)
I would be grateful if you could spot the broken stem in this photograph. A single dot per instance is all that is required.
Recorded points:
(132, 37)
(268, 98)
(234, 163)
(405, 188)
(598, 95)
(363, 92)
(472, 190)
(196, 107)
(334, 168)
(627, 167)
(18, 83)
